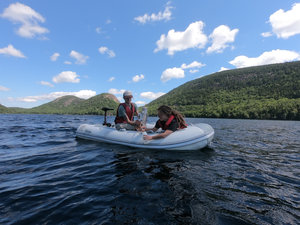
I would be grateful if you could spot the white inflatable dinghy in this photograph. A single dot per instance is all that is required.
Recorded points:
(194, 137)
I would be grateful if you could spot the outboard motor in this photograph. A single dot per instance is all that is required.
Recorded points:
(105, 109)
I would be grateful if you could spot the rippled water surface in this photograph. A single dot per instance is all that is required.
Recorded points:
(250, 175)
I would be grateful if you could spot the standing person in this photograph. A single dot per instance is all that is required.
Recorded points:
(125, 113)
(169, 120)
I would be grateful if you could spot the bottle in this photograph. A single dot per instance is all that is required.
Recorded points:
(145, 141)
(144, 116)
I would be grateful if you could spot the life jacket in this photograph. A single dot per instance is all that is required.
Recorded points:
(129, 113)
(165, 127)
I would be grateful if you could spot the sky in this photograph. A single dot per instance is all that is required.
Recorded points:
(49, 49)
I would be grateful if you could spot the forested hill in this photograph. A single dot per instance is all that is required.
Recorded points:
(74, 105)
(262, 92)
(4, 109)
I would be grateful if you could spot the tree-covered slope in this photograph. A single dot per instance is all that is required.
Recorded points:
(4, 109)
(74, 105)
(57, 106)
(93, 105)
(263, 92)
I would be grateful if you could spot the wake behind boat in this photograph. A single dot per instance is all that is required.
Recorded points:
(194, 137)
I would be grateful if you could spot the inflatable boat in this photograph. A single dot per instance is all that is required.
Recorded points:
(194, 137)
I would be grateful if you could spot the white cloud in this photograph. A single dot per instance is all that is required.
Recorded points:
(81, 59)
(192, 65)
(274, 56)
(66, 76)
(104, 50)
(116, 92)
(10, 50)
(286, 24)
(55, 56)
(194, 71)
(192, 37)
(166, 15)
(85, 94)
(151, 95)
(137, 78)
(46, 83)
(111, 79)
(266, 34)
(99, 31)
(67, 62)
(27, 17)
(4, 88)
(140, 103)
(220, 37)
(223, 69)
(171, 73)
(108, 21)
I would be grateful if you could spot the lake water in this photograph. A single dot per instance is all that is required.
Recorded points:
(250, 175)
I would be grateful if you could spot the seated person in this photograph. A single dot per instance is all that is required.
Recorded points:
(169, 120)
(125, 113)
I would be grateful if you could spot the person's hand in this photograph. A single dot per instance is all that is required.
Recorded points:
(137, 123)
(147, 137)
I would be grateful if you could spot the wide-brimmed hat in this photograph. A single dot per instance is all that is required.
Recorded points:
(127, 94)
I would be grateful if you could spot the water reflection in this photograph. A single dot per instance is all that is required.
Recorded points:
(152, 188)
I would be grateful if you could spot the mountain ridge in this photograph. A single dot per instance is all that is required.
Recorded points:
(261, 92)
(70, 104)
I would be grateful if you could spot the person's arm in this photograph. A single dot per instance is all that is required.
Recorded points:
(134, 123)
(154, 129)
(159, 136)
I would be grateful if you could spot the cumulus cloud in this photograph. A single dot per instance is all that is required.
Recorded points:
(166, 15)
(66, 76)
(171, 73)
(220, 37)
(194, 71)
(46, 83)
(223, 69)
(85, 94)
(137, 78)
(10, 50)
(54, 56)
(108, 21)
(111, 79)
(286, 24)
(116, 92)
(99, 31)
(81, 59)
(67, 62)
(266, 34)
(104, 50)
(151, 95)
(192, 65)
(4, 88)
(274, 56)
(192, 37)
(140, 103)
(27, 17)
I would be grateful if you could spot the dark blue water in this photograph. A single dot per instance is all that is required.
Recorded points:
(251, 175)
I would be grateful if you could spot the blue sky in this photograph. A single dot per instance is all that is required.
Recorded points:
(49, 49)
